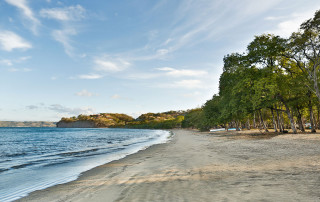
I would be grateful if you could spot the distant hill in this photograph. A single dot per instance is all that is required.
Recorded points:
(102, 120)
(171, 119)
(27, 124)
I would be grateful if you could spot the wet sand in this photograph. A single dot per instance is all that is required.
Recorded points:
(197, 166)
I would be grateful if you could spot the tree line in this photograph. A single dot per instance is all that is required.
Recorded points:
(274, 84)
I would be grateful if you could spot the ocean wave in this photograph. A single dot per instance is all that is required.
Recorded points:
(76, 151)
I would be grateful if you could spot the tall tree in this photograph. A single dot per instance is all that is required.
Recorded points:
(304, 49)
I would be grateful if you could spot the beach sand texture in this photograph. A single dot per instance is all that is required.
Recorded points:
(197, 166)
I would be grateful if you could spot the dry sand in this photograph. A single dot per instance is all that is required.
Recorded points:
(204, 167)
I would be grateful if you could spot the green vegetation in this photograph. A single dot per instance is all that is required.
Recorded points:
(102, 120)
(165, 120)
(274, 84)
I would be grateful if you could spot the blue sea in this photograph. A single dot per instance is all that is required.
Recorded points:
(36, 158)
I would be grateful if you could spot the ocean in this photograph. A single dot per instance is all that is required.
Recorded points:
(36, 158)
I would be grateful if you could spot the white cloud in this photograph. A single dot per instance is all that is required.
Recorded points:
(6, 62)
(107, 64)
(182, 72)
(63, 36)
(71, 13)
(195, 22)
(9, 62)
(85, 93)
(10, 40)
(290, 23)
(27, 12)
(90, 76)
(65, 15)
(187, 84)
(72, 111)
(12, 69)
(162, 52)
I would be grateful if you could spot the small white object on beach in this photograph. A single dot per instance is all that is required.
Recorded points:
(221, 129)
(218, 129)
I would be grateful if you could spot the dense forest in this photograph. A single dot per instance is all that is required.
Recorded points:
(273, 85)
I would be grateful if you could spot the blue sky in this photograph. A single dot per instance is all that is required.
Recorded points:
(64, 58)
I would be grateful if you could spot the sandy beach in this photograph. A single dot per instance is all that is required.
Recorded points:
(197, 166)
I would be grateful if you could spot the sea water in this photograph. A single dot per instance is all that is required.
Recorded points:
(36, 158)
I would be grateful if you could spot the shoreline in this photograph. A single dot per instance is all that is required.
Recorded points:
(87, 175)
(195, 166)
(21, 184)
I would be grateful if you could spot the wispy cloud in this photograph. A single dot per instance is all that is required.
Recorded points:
(182, 72)
(10, 41)
(290, 23)
(108, 64)
(6, 62)
(27, 12)
(196, 21)
(63, 36)
(90, 76)
(85, 93)
(66, 16)
(186, 84)
(12, 69)
(71, 13)
(11, 62)
(32, 107)
(71, 111)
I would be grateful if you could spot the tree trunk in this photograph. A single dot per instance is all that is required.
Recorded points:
(254, 120)
(301, 127)
(315, 81)
(318, 121)
(313, 130)
(274, 121)
(279, 121)
(237, 125)
(282, 121)
(262, 122)
(248, 124)
(293, 127)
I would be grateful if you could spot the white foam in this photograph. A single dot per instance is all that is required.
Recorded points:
(41, 178)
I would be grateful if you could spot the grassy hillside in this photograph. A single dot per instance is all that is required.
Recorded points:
(165, 120)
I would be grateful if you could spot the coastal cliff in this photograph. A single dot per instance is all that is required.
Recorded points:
(76, 124)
